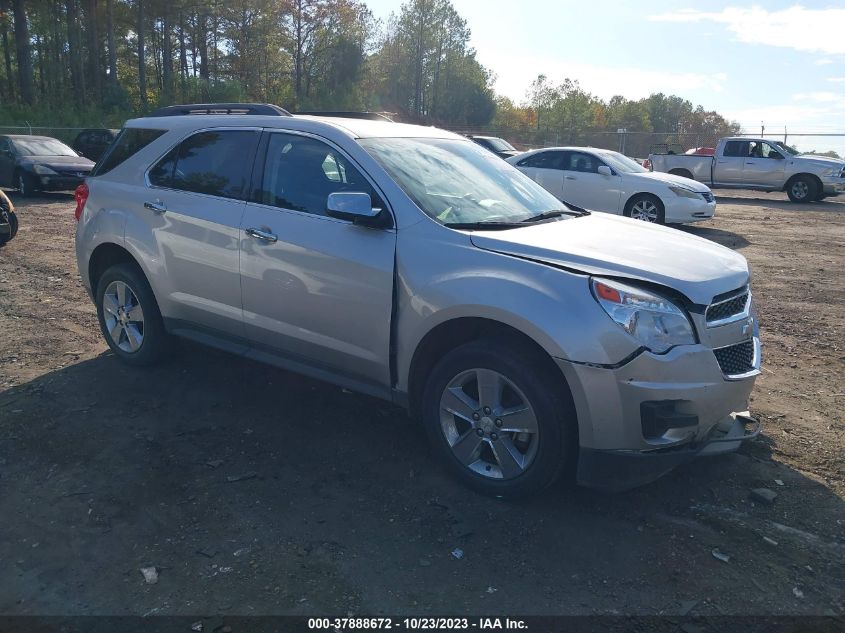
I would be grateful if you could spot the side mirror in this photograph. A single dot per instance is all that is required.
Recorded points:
(604, 170)
(776, 156)
(355, 206)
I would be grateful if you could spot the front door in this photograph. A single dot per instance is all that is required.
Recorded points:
(316, 290)
(764, 166)
(585, 187)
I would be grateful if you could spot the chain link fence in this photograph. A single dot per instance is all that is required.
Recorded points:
(639, 145)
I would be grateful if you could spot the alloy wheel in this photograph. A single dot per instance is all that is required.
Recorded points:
(644, 210)
(123, 316)
(489, 424)
(800, 189)
(22, 186)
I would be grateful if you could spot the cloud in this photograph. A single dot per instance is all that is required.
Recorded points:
(820, 97)
(799, 28)
(836, 80)
(512, 77)
(824, 61)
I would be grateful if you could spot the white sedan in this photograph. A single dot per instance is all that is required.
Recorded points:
(604, 180)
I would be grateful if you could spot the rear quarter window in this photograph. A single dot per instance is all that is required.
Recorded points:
(129, 142)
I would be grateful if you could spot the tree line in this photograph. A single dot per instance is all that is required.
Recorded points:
(84, 62)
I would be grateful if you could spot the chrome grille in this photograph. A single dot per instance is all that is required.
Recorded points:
(733, 305)
(736, 359)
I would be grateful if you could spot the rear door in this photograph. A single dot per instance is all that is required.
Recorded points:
(193, 207)
(316, 290)
(729, 166)
(545, 168)
(585, 187)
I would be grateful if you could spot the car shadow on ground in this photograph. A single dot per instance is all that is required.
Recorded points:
(257, 491)
(720, 236)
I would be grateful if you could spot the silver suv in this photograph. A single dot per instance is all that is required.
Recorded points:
(531, 338)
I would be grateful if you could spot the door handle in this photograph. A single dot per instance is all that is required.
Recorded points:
(264, 236)
(570, 177)
(157, 206)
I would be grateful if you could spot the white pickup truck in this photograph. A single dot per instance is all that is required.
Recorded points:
(761, 164)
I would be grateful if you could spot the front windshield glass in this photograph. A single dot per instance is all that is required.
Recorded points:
(458, 182)
(500, 145)
(786, 148)
(42, 147)
(622, 163)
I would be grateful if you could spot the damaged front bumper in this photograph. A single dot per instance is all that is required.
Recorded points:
(618, 470)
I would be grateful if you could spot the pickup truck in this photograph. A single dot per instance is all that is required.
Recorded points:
(761, 164)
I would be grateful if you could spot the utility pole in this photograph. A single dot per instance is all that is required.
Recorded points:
(762, 129)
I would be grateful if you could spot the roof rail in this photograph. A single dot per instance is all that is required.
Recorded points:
(265, 109)
(370, 116)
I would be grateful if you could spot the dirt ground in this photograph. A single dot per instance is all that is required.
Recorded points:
(256, 491)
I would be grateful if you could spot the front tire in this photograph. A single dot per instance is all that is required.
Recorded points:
(10, 218)
(802, 189)
(647, 208)
(129, 316)
(493, 415)
(25, 184)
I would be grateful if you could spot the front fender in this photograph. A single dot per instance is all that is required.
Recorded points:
(553, 307)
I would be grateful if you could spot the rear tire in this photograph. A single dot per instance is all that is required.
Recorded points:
(647, 208)
(493, 415)
(684, 173)
(802, 189)
(129, 316)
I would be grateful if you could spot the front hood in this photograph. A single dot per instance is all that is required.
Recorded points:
(64, 163)
(602, 244)
(672, 179)
(820, 161)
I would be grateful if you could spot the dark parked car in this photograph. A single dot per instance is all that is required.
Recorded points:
(93, 143)
(499, 146)
(30, 163)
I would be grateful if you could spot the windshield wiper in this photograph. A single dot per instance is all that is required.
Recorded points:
(556, 213)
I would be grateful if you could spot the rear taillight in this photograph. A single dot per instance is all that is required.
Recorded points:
(81, 195)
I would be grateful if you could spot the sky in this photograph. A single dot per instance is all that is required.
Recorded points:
(772, 63)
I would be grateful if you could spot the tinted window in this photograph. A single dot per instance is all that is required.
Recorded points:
(4, 144)
(215, 163)
(543, 160)
(301, 172)
(736, 148)
(578, 161)
(129, 142)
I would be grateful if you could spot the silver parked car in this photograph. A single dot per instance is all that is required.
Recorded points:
(409, 263)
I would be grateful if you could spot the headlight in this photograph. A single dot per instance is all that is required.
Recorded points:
(43, 170)
(830, 173)
(685, 193)
(657, 323)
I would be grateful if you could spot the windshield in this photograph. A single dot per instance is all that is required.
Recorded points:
(458, 182)
(621, 163)
(42, 147)
(786, 148)
(499, 144)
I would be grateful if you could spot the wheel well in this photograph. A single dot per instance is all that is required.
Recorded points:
(451, 334)
(686, 173)
(104, 257)
(812, 177)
